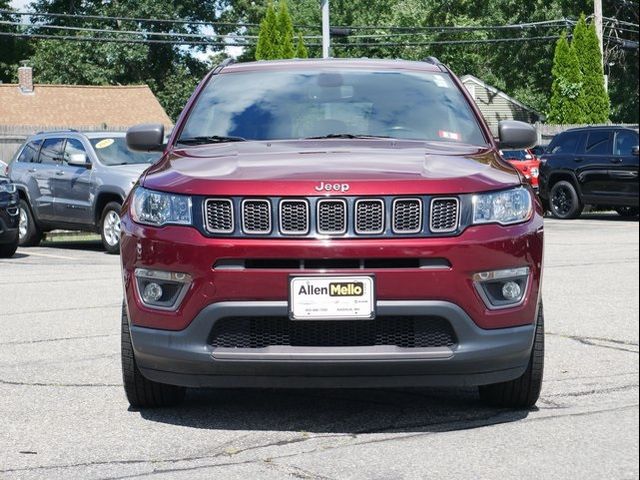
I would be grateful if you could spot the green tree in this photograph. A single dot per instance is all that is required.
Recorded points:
(169, 70)
(566, 105)
(285, 31)
(595, 99)
(12, 49)
(301, 49)
(267, 47)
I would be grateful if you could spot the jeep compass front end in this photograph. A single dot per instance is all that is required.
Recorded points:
(332, 224)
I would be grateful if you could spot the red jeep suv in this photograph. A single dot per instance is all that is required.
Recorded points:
(332, 223)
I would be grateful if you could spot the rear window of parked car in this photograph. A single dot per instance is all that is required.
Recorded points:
(30, 152)
(625, 141)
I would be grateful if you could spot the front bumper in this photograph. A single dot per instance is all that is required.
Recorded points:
(479, 356)
(9, 218)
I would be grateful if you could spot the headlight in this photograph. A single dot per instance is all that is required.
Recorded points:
(159, 208)
(7, 188)
(534, 172)
(506, 207)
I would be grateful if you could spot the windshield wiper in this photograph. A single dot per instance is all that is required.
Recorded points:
(210, 139)
(345, 135)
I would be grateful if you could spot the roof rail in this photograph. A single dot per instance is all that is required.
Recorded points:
(57, 131)
(436, 62)
(226, 62)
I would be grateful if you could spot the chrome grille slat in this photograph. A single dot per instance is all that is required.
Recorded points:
(444, 215)
(294, 217)
(407, 215)
(219, 215)
(369, 216)
(256, 216)
(331, 217)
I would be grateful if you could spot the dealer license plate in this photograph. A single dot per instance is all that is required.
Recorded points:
(332, 298)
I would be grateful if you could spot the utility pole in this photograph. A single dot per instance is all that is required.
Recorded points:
(597, 18)
(326, 31)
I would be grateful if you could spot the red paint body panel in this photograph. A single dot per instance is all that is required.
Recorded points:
(294, 168)
(479, 248)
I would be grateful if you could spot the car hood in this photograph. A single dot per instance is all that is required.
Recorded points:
(362, 167)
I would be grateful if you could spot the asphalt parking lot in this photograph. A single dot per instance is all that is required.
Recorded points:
(63, 413)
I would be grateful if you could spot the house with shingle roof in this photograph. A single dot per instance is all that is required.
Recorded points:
(26, 108)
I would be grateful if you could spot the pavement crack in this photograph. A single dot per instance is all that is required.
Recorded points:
(58, 339)
(42, 384)
(592, 341)
(65, 309)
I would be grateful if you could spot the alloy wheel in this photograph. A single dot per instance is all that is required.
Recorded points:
(562, 201)
(23, 224)
(111, 228)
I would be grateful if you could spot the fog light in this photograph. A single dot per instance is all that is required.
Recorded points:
(152, 293)
(160, 289)
(511, 291)
(502, 288)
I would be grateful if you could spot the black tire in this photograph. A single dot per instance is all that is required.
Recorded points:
(8, 249)
(109, 233)
(628, 212)
(141, 392)
(523, 392)
(564, 201)
(30, 235)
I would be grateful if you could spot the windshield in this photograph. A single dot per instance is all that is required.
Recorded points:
(114, 151)
(278, 105)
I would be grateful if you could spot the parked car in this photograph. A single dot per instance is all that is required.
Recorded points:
(4, 169)
(526, 162)
(538, 150)
(334, 223)
(593, 165)
(8, 218)
(75, 181)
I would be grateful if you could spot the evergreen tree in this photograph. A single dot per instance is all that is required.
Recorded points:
(566, 105)
(267, 47)
(595, 99)
(285, 31)
(301, 49)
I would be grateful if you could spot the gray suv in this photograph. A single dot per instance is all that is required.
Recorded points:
(75, 181)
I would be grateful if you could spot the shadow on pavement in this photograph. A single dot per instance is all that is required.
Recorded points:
(89, 245)
(334, 411)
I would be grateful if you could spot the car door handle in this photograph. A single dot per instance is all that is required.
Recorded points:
(578, 159)
(32, 170)
(616, 160)
(59, 174)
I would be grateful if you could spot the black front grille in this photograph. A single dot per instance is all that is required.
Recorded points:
(332, 217)
(444, 215)
(261, 332)
(369, 216)
(219, 215)
(407, 215)
(294, 217)
(256, 216)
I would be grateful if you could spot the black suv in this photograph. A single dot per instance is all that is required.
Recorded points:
(591, 165)
(8, 218)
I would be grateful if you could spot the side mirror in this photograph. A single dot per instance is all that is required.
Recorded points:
(79, 160)
(148, 137)
(635, 151)
(516, 135)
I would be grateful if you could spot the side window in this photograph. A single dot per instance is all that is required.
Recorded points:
(565, 143)
(625, 141)
(30, 152)
(73, 146)
(599, 143)
(51, 151)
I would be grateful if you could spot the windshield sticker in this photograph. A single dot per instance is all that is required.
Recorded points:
(107, 142)
(449, 135)
(440, 82)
